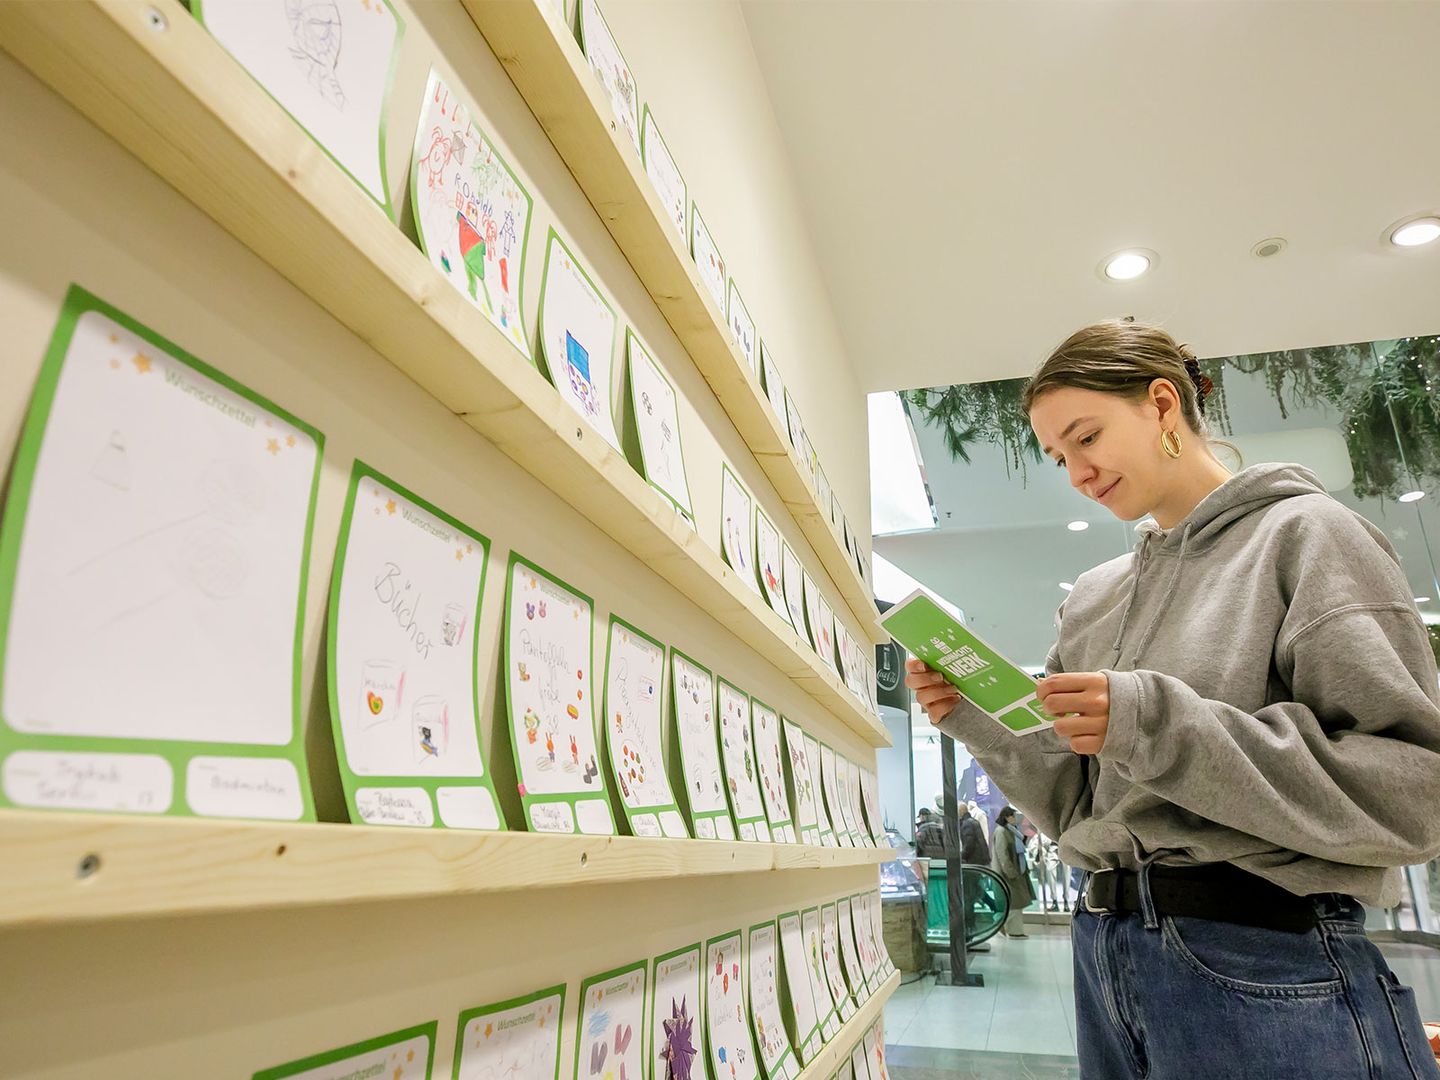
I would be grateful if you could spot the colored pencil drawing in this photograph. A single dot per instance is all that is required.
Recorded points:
(610, 1041)
(729, 1047)
(768, 563)
(577, 338)
(707, 258)
(802, 781)
(657, 424)
(801, 994)
(610, 68)
(663, 172)
(634, 713)
(776, 1053)
(675, 1034)
(737, 751)
(771, 768)
(737, 537)
(512, 1041)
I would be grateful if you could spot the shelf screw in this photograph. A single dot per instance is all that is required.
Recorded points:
(89, 867)
(584, 857)
(157, 21)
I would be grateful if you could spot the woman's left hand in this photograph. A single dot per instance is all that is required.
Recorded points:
(1080, 702)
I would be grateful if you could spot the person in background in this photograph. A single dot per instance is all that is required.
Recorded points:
(929, 835)
(979, 815)
(1010, 863)
(974, 848)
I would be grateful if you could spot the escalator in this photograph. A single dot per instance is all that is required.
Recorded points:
(987, 898)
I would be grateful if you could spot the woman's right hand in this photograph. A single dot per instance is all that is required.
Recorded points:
(936, 696)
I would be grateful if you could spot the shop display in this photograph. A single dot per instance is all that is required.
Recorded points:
(156, 534)
(768, 563)
(804, 1014)
(548, 693)
(692, 689)
(728, 1043)
(656, 419)
(577, 337)
(610, 68)
(515, 1038)
(826, 1003)
(472, 213)
(676, 1003)
(737, 751)
(664, 173)
(850, 953)
(610, 1034)
(765, 725)
(402, 661)
(742, 326)
(830, 954)
(802, 787)
(777, 1057)
(737, 528)
(707, 258)
(996, 686)
(401, 1055)
(329, 64)
(634, 712)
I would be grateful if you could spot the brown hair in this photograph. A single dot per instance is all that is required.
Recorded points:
(1123, 357)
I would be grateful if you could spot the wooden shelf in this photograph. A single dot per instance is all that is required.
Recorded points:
(188, 866)
(838, 1050)
(548, 68)
(176, 100)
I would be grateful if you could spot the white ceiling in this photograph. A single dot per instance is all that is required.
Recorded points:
(967, 165)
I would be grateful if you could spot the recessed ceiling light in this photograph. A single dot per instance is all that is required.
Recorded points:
(1066, 586)
(1078, 526)
(1422, 599)
(1412, 496)
(1127, 265)
(1417, 231)
(1269, 247)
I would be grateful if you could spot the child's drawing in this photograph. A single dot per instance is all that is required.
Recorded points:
(577, 338)
(875, 1051)
(774, 386)
(471, 211)
(825, 1001)
(801, 782)
(657, 422)
(675, 1036)
(831, 790)
(776, 1054)
(792, 578)
(771, 767)
(797, 980)
(663, 172)
(768, 564)
(742, 327)
(849, 952)
(738, 752)
(611, 69)
(737, 536)
(830, 953)
(692, 688)
(812, 614)
(707, 258)
(731, 1050)
(517, 1040)
(327, 63)
(822, 815)
(609, 1040)
(634, 719)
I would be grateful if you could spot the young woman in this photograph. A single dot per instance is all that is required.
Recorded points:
(1009, 861)
(1248, 744)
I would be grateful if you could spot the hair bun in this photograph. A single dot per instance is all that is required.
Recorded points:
(1204, 386)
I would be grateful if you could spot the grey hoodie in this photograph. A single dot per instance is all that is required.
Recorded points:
(1273, 700)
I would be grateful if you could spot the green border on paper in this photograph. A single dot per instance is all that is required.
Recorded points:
(786, 724)
(782, 609)
(697, 225)
(733, 290)
(387, 204)
(647, 124)
(877, 975)
(807, 1041)
(330, 1057)
(822, 813)
(789, 818)
(431, 784)
(734, 797)
(789, 1054)
(832, 1014)
(753, 582)
(631, 338)
(646, 1007)
(585, 49)
(415, 157)
(697, 1016)
(527, 800)
(541, 354)
(839, 827)
(659, 810)
(514, 1003)
(840, 931)
(723, 814)
(744, 991)
(782, 413)
(839, 962)
(177, 754)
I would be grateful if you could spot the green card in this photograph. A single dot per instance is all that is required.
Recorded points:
(995, 685)
(401, 1055)
(152, 583)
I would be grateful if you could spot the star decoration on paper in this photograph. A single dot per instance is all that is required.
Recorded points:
(399, 1073)
(390, 506)
(459, 554)
(289, 440)
(141, 362)
(114, 339)
(489, 1029)
(114, 365)
(272, 445)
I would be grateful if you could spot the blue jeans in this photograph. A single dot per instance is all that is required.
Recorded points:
(1177, 998)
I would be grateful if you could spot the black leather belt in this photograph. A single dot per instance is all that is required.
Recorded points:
(1216, 891)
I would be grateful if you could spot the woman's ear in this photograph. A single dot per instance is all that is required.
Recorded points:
(1165, 399)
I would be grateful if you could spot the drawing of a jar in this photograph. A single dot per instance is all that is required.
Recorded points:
(452, 624)
(430, 724)
(381, 684)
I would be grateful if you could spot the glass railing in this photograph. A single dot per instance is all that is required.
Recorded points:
(987, 900)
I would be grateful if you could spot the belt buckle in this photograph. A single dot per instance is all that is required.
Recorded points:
(1086, 898)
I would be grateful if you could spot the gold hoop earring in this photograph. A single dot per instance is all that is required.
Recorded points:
(1170, 443)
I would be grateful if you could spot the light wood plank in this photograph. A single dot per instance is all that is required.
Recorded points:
(175, 99)
(63, 868)
(549, 69)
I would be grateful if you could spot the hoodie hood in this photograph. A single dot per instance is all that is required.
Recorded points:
(1247, 491)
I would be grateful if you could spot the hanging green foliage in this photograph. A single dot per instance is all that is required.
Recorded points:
(1386, 393)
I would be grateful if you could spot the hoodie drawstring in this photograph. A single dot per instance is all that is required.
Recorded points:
(1134, 591)
(1164, 602)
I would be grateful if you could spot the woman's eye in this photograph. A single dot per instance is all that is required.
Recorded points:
(1060, 463)
(1089, 439)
